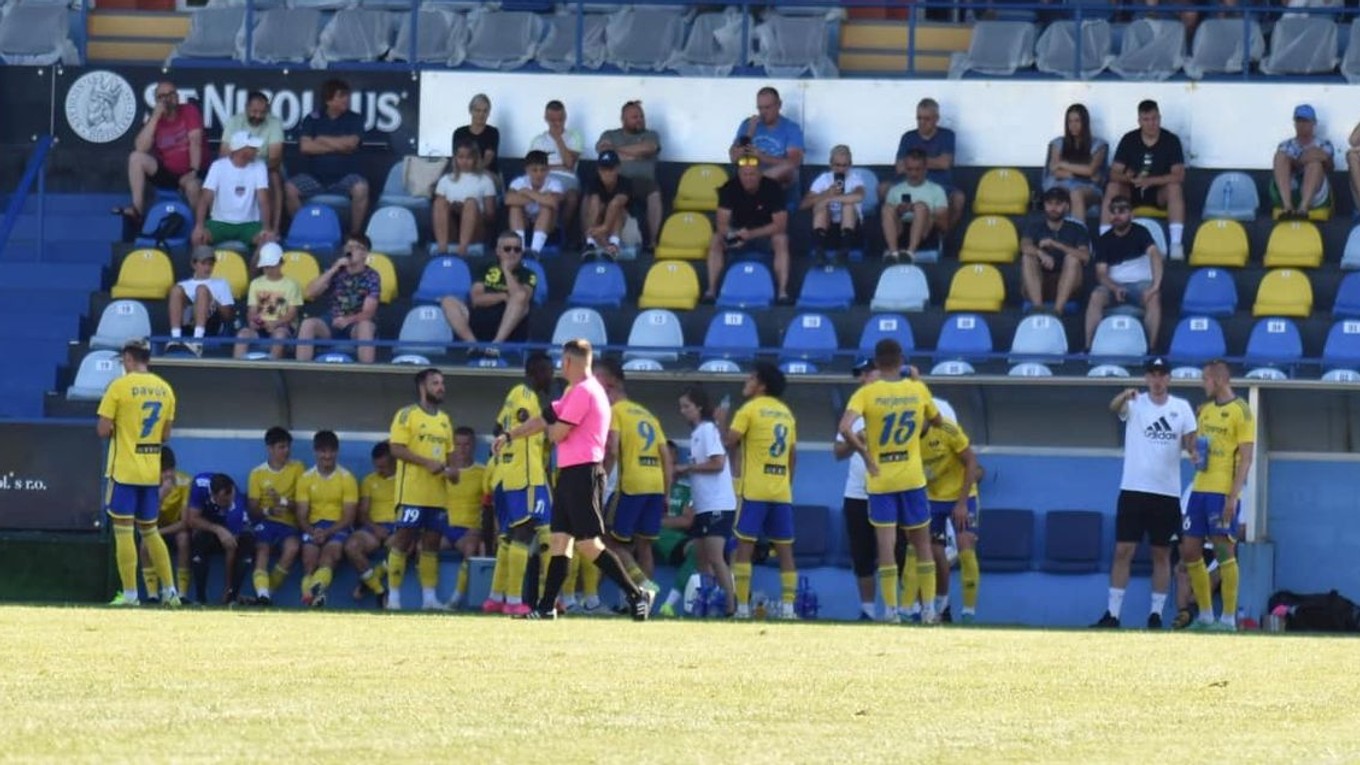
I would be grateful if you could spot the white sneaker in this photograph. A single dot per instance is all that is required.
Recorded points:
(393, 601)
(743, 612)
(1177, 251)
(892, 617)
(786, 612)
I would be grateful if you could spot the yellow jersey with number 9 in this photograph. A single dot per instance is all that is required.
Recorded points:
(894, 411)
(426, 435)
(768, 433)
(139, 404)
(641, 440)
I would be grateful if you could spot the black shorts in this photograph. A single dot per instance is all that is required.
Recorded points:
(863, 540)
(577, 501)
(1140, 513)
(205, 543)
(164, 179)
(1144, 197)
(486, 322)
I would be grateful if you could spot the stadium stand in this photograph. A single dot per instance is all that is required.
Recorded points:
(1056, 49)
(1232, 195)
(1118, 340)
(670, 284)
(1039, 339)
(302, 267)
(731, 335)
(1218, 47)
(387, 272)
(598, 285)
(1002, 191)
(1008, 545)
(976, 288)
(996, 48)
(145, 274)
(698, 189)
(316, 229)
(424, 332)
(1210, 292)
(1294, 244)
(580, 323)
(443, 277)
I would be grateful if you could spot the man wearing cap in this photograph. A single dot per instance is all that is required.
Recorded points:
(1128, 272)
(235, 196)
(1299, 178)
(203, 299)
(606, 208)
(638, 148)
(1054, 251)
(1157, 426)
(260, 122)
(750, 210)
(272, 303)
(1149, 169)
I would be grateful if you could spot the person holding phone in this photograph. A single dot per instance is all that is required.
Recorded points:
(354, 289)
(835, 198)
(917, 208)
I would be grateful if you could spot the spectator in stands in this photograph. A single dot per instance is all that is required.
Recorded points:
(203, 299)
(170, 150)
(606, 208)
(563, 147)
(354, 289)
(774, 139)
(835, 199)
(1149, 169)
(937, 143)
(329, 140)
(272, 303)
(486, 138)
(638, 148)
(1076, 161)
(535, 196)
(498, 307)
(261, 123)
(1353, 168)
(235, 196)
(1054, 252)
(467, 193)
(918, 207)
(1299, 181)
(750, 209)
(1128, 272)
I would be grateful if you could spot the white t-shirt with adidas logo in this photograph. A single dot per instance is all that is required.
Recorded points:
(1152, 444)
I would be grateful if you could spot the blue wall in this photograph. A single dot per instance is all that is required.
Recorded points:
(1315, 523)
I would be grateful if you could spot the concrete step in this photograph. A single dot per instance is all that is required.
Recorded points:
(78, 277)
(91, 253)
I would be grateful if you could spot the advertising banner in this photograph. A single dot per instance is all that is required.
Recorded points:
(50, 477)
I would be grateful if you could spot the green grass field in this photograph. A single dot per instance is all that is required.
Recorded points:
(90, 684)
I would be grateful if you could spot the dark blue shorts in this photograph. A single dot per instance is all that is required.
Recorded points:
(772, 520)
(422, 518)
(142, 503)
(942, 512)
(1204, 516)
(273, 532)
(908, 509)
(455, 533)
(515, 506)
(713, 524)
(637, 515)
(339, 536)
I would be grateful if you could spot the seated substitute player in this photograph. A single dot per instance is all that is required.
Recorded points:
(270, 493)
(534, 198)
(894, 411)
(217, 514)
(422, 443)
(377, 518)
(767, 433)
(465, 495)
(836, 199)
(952, 473)
(327, 501)
(174, 493)
(1227, 422)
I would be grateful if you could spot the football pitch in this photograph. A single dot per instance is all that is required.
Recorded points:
(102, 685)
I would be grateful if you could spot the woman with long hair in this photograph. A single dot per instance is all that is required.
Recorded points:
(711, 490)
(1076, 162)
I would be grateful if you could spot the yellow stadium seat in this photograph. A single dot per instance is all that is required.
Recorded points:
(1284, 292)
(990, 239)
(387, 272)
(1002, 191)
(1321, 214)
(232, 267)
(301, 267)
(698, 189)
(1294, 244)
(670, 284)
(1221, 243)
(685, 236)
(1149, 211)
(145, 275)
(976, 288)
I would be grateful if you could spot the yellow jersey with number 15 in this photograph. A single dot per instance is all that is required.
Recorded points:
(1227, 426)
(426, 435)
(139, 404)
(893, 412)
(768, 433)
(641, 440)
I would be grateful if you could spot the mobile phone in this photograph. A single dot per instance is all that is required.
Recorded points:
(733, 240)
(839, 178)
(744, 141)
(906, 199)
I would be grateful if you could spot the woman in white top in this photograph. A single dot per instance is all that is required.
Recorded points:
(711, 490)
(1076, 162)
(467, 194)
(836, 199)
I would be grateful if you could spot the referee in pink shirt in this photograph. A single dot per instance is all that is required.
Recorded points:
(579, 424)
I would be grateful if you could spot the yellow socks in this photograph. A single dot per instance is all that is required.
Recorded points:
(460, 587)
(1229, 579)
(160, 556)
(153, 583)
(887, 582)
(261, 581)
(498, 574)
(125, 553)
(636, 573)
(306, 584)
(590, 577)
(427, 568)
(396, 569)
(788, 584)
(569, 584)
(1199, 582)
(741, 578)
(925, 572)
(277, 577)
(323, 577)
(910, 582)
(182, 579)
(372, 580)
(517, 560)
(969, 573)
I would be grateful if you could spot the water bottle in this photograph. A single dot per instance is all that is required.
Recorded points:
(1202, 453)
(705, 596)
(717, 601)
(1227, 195)
(805, 600)
(1275, 622)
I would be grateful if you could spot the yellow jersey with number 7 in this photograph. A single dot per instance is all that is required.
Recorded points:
(140, 404)
(894, 412)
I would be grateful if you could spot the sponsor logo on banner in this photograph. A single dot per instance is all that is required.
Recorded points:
(219, 101)
(101, 106)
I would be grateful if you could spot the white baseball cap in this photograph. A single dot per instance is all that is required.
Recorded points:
(271, 254)
(242, 139)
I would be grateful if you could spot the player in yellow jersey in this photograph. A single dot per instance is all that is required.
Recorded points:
(377, 519)
(135, 415)
(895, 410)
(466, 495)
(327, 504)
(767, 433)
(952, 473)
(519, 493)
(422, 443)
(271, 491)
(1228, 431)
(174, 493)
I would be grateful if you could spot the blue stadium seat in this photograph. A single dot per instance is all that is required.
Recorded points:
(1210, 292)
(541, 288)
(810, 337)
(731, 335)
(1030, 369)
(1274, 343)
(315, 228)
(1347, 305)
(424, 332)
(1072, 541)
(1350, 255)
(1039, 338)
(827, 288)
(1232, 195)
(747, 285)
(652, 329)
(394, 191)
(393, 231)
(442, 277)
(886, 325)
(1008, 544)
(812, 540)
(643, 365)
(1197, 339)
(720, 366)
(97, 370)
(121, 321)
(964, 337)
(156, 214)
(1118, 340)
(599, 284)
(1342, 349)
(580, 323)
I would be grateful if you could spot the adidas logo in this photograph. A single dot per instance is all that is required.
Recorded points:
(1160, 430)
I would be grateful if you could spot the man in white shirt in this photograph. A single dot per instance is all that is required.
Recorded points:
(1157, 427)
(260, 122)
(533, 200)
(859, 533)
(563, 147)
(235, 195)
(835, 199)
(204, 299)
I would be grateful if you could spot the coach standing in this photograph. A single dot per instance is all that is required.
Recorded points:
(578, 423)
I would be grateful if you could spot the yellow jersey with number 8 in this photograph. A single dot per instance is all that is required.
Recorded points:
(769, 433)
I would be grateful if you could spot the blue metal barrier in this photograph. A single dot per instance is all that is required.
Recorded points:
(33, 170)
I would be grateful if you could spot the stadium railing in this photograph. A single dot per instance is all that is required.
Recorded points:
(34, 173)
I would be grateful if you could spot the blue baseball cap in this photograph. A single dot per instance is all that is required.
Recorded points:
(1305, 112)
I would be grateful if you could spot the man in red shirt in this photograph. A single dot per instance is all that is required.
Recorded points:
(170, 150)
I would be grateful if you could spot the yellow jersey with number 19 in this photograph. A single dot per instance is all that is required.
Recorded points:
(381, 492)
(893, 412)
(768, 433)
(139, 404)
(1227, 426)
(940, 450)
(426, 435)
(641, 440)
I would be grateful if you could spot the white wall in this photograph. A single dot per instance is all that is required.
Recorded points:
(999, 122)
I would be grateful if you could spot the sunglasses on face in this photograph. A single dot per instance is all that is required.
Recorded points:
(511, 248)
(747, 161)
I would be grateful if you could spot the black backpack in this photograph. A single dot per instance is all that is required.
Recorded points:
(1322, 612)
(171, 226)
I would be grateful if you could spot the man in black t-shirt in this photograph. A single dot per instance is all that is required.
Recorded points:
(1054, 252)
(1149, 169)
(750, 209)
(604, 211)
(498, 306)
(1128, 272)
